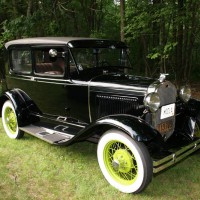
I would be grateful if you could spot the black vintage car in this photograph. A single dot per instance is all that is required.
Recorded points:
(66, 90)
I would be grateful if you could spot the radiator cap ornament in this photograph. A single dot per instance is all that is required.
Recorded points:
(162, 77)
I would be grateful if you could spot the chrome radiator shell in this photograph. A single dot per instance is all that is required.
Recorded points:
(167, 93)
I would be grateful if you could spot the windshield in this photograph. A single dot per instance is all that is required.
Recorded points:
(86, 58)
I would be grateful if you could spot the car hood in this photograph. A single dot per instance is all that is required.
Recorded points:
(120, 83)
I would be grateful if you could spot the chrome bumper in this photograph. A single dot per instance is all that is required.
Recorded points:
(166, 162)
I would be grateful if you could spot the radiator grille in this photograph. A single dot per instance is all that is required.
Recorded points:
(108, 105)
(167, 94)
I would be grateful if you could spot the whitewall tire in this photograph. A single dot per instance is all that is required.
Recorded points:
(125, 163)
(9, 120)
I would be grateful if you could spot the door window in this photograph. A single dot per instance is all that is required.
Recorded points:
(47, 65)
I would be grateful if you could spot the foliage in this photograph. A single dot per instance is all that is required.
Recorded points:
(58, 18)
(161, 33)
(167, 30)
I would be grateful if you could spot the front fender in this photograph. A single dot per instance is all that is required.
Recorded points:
(22, 103)
(135, 127)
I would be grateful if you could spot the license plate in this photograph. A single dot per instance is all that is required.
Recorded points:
(165, 127)
(167, 111)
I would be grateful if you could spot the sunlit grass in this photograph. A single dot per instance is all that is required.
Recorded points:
(33, 169)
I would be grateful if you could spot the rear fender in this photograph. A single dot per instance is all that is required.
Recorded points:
(22, 103)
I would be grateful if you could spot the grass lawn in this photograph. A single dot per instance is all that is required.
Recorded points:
(33, 169)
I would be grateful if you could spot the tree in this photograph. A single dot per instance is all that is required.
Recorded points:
(162, 33)
(166, 30)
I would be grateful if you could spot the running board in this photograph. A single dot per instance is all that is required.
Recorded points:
(166, 162)
(48, 135)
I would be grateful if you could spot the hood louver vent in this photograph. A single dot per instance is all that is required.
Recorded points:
(108, 105)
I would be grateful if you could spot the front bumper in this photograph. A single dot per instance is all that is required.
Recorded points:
(175, 157)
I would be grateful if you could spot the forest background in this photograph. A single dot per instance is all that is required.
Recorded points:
(162, 35)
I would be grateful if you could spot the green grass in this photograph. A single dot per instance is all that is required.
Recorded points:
(33, 169)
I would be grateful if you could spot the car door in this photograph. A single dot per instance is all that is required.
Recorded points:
(54, 92)
(46, 81)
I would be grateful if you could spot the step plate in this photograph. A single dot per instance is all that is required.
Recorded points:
(48, 135)
(55, 138)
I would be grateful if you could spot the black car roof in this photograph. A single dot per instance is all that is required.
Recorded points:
(72, 42)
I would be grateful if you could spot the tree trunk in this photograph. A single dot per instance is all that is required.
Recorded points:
(145, 46)
(193, 32)
(29, 8)
(14, 8)
(179, 49)
(122, 14)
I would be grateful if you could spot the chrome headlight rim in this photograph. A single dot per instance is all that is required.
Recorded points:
(152, 101)
(185, 93)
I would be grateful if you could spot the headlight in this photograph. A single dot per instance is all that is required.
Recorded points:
(185, 93)
(152, 101)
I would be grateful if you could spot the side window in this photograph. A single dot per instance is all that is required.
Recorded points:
(21, 61)
(47, 65)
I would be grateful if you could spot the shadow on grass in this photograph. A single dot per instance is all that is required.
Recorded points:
(84, 148)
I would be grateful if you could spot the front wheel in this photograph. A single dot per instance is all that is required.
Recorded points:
(9, 120)
(125, 163)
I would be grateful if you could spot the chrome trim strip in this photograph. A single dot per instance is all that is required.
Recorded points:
(175, 157)
(59, 80)
(118, 87)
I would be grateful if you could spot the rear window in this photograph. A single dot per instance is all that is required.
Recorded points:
(21, 61)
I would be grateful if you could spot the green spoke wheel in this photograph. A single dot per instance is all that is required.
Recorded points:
(9, 120)
(120, 162)
(125, 163)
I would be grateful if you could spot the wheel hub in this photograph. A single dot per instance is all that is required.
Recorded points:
(115, 164)
(122, 161)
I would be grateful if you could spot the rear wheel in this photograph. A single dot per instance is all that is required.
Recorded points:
(9, 120)
(125, 163)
